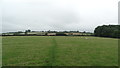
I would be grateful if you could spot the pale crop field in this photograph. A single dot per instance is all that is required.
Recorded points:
(59, 51)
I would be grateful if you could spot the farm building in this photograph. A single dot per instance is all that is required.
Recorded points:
(51, 34)
(36, 33)
(68, 33)
(31, 33)
(7, 34)
(21, 33)
(73, 34)
(76, 34)
(41, 33)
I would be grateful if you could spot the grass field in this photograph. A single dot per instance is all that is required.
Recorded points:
(0, 51)
(59, 51)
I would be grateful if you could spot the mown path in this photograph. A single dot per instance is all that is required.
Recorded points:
(52, 52)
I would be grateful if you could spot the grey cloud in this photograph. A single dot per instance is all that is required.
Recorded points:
(55, 15)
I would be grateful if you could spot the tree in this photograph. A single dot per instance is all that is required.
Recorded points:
(26, 31)
(108, 31)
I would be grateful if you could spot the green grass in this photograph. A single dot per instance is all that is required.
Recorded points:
(59, 51)
(0, 51)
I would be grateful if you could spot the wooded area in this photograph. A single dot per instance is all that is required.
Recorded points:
(108, 31)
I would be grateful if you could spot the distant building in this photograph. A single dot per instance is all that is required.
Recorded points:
(41, 33)
(22, 33)
(37, 33)
(7, 34)
(51, 34)
(76, 33)
(69, 34)
(31, 33)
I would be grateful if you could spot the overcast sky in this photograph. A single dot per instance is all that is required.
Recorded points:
(82, 15)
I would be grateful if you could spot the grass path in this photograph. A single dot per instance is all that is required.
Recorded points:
(52, 52)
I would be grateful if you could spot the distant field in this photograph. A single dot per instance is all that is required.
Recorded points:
(59, 51)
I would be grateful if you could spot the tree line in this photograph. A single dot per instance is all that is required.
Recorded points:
(108, 31)
(47, 33)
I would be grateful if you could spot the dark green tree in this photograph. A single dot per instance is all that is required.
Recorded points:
(108, 31)
(26, 31)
